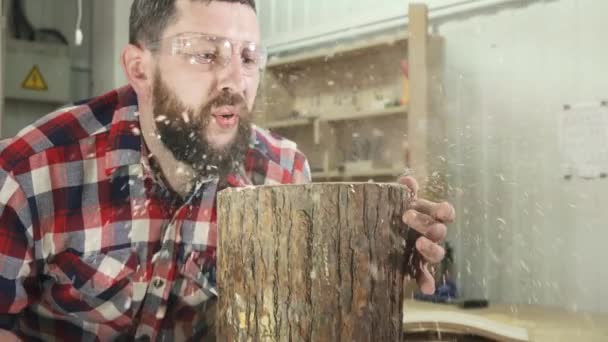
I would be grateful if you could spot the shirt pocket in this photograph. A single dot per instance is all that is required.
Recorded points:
(95, 288)
(198, 278)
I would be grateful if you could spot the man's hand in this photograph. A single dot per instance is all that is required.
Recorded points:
(429, 219)
(8, 336)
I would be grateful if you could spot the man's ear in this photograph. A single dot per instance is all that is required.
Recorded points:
(136, 66)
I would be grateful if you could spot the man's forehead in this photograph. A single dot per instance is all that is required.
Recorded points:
(226, 19)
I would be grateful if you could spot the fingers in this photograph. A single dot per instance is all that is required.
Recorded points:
(425, 279)
(431, 251)
(423, 272)
(425, 225)
(443, 212)
(411, 183)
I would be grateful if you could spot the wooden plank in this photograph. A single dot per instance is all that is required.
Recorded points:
(418, 124)
(379, 172)
(340, 117)
(287, 123)
(463, 323)
(543, 323)
(338, 50)
(326, 175)
(366, 114)
(437, 118)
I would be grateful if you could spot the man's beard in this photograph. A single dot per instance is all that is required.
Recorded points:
(182, 131)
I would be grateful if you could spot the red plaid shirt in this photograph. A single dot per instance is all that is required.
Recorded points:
(93, 246)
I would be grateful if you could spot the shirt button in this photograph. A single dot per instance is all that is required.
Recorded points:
(158, 283)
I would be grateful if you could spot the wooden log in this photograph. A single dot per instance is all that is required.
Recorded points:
(315, 262)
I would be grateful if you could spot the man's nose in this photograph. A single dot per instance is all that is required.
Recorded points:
(230, 75)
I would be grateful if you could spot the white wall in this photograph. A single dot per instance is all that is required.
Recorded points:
(524, 234)
(293, 24)
(110, 35)
(286, 21)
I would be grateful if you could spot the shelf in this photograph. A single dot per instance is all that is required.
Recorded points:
(326, 175)
(380, 172)
(327, 53)
(342, 117)
(287, 123)
(388, 171)
(306, 80)
(366, 114)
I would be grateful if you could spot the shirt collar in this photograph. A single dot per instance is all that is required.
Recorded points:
(124, 140)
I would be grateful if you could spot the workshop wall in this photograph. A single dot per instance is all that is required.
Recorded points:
(524, 234)
(60, 15)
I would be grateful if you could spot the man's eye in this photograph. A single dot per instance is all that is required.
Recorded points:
(203, 57)
(249, 61)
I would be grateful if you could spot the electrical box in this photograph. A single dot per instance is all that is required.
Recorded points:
(37, 71)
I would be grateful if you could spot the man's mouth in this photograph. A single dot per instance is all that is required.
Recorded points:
(226, 116)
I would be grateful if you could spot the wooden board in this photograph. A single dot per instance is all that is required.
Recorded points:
(543, 324)
(462, 323)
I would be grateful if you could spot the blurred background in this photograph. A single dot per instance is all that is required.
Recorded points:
(500, 107)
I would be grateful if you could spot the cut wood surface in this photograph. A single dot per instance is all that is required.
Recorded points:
(463, 323)
(315, 262)
(507, 322)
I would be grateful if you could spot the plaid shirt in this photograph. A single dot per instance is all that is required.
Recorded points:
(93, 246)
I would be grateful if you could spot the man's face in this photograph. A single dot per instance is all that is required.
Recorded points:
(182, 131)
(200, 112)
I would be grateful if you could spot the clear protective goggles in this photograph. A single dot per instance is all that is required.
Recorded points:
(208, 53)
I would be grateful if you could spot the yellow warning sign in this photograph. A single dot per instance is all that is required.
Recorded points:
(34, 80)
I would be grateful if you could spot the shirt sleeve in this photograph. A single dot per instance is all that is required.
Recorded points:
(17, 278)
(301, 169)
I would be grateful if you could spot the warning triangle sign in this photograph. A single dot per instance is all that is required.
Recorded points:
(34, 80)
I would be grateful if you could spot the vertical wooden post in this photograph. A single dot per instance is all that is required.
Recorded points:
(315, 262)
(418, 114)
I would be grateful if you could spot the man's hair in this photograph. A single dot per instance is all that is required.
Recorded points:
(149, 18)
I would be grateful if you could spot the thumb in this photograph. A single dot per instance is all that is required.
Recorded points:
(411, 183)
(425, 280)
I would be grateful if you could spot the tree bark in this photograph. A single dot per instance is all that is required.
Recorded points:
(315, 262)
